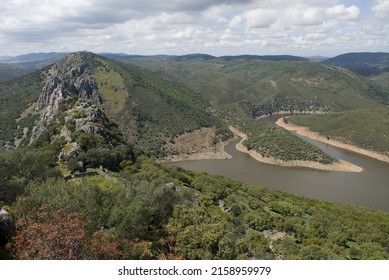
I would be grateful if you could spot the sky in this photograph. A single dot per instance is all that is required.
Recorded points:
(176, 27)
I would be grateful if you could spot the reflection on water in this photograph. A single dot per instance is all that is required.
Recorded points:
(368, 188)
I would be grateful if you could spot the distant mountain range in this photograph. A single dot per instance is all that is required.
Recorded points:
(15, 66)
(364, 63)
(12, 67)
(318, 58)
(52, 57)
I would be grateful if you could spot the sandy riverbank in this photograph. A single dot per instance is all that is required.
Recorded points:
(305, 131)
(341, 165)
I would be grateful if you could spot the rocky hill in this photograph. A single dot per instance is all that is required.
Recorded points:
(71, 78)
(88, 94)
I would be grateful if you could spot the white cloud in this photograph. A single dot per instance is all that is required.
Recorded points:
(343, 12)
(381, 8)
(260, 18)
(310, 16)
(228, 35)
(184, 26)
(235, 21)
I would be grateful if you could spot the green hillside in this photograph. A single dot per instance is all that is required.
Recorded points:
(259, 82)
(17, 99)
(364, 63)
(13, 67)
(149, 109)
(11, 71)
(260, 88)
(365, 128)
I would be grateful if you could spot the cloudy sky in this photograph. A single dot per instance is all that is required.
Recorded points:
(217, 27)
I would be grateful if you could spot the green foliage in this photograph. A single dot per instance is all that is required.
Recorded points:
(209, 236)
(135, 210)
(18, 168)
(95, 157)
(273, 142)
(288, 104)
(156, 202)
(73, 165)
(79, 114)
(278, 143)
(142, 210)
(9, 71)
(258, 221)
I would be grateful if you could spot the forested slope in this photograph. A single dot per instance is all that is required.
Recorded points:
(157, 212)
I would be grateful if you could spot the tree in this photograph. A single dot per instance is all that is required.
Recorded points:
(20, 167)
(73, 165)
(169, 243)
(101, 247)
(51, 234)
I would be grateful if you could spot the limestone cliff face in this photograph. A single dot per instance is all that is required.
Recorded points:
(69, 78)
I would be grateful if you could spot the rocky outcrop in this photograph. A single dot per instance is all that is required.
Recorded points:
(70, 101)
(6, 225)
(94, 122)
(69, 78)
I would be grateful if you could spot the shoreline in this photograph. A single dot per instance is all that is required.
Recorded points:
(221, 154)
(341, 165)
(305, 131)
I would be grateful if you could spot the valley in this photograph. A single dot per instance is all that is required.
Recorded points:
(153, 125)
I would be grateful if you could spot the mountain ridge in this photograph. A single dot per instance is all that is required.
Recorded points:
(364, 63)
(14, 66)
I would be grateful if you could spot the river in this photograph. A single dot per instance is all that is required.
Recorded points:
(367, 188)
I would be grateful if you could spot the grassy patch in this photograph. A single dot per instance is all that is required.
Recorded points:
(112, 89)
